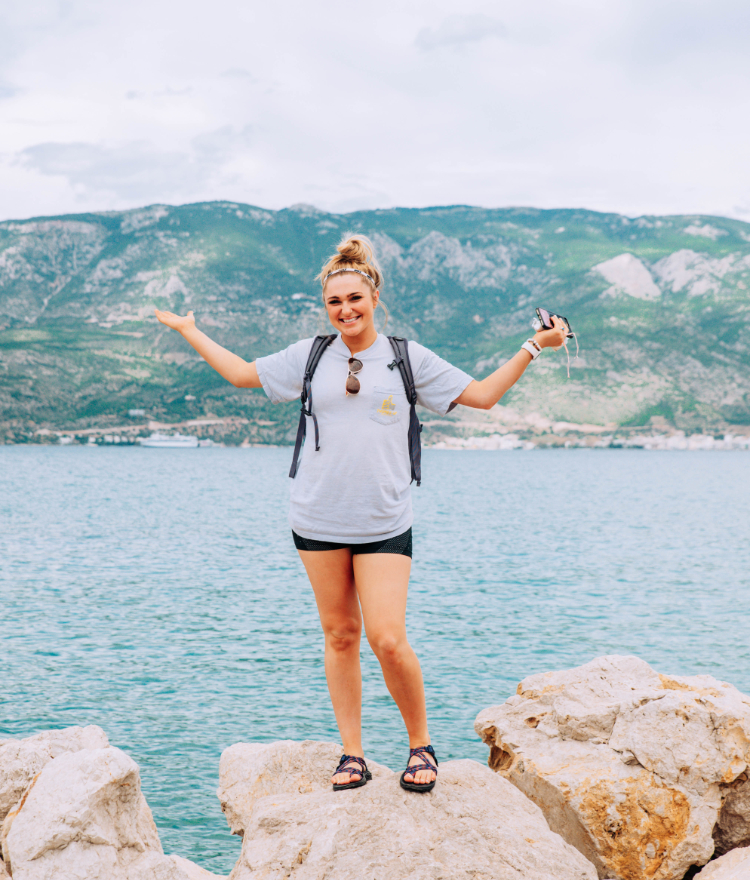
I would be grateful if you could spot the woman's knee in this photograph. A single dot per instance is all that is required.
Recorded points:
(388, 646)
(343, 635)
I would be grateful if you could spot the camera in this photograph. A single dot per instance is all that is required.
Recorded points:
(543, 321)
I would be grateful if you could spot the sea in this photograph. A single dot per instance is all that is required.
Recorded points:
(157, 593)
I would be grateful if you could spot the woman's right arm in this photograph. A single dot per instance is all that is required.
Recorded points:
(231, 366)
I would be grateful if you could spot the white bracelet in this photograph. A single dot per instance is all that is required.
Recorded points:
(533, 349)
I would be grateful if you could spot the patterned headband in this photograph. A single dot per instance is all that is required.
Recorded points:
(358, 271)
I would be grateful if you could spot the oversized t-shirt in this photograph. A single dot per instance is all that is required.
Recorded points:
(355, 488)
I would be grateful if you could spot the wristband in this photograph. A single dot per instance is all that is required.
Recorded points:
(533, 349)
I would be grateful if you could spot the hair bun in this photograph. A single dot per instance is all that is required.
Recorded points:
(354, 252)
(356, 249)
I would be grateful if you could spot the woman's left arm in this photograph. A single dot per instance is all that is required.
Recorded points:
(485, 394)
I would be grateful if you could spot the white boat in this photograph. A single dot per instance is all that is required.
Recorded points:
(169, 441)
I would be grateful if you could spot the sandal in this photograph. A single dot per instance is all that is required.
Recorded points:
(421, 752)
(361, 771)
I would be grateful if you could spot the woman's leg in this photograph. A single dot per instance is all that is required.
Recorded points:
(382, 581)
(332, 579)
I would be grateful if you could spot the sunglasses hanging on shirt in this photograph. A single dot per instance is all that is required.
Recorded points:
(352, 382)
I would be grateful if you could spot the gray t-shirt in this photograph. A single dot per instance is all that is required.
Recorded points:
(355, 489)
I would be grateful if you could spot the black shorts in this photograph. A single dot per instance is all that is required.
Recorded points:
(400, 545)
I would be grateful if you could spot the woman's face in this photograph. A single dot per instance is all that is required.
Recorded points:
(350, 303)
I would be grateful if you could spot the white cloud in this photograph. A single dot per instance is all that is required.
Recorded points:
(7, 90)
(239, 72)
(129, 170)
(629, 106)
(134, 171)
(457, 30)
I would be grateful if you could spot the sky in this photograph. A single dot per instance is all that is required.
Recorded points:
(633, 106)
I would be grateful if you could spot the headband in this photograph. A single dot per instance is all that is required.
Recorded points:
(358, 271)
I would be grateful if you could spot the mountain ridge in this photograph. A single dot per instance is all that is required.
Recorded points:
(659, 304)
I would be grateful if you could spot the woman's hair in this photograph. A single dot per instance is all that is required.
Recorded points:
(354, 252)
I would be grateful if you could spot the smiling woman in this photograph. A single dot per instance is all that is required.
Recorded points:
(351, 285)
(350, 511)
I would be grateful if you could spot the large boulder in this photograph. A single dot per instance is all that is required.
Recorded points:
(22, 759)
(629, 766)
(472, 825)
(83, 817)
(251, 771)
(734, 866)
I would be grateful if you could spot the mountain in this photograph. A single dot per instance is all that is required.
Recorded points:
(660, 306)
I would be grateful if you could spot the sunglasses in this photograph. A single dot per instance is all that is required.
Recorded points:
(352, 382)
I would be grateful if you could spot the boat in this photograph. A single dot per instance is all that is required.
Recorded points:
(169, 441)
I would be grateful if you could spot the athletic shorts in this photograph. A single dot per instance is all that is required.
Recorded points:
(400, 545)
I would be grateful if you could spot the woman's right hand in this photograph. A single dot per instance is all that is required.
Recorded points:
(176, 322)
(554, 338)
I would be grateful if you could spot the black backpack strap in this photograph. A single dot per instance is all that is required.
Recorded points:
(320, 344)
(401, 349)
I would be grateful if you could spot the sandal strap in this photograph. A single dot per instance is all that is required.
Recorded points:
(415, 768)
(422, 752)
(352, 771)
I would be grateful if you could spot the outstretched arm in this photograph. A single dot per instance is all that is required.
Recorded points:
(486, 393)
(231, 366)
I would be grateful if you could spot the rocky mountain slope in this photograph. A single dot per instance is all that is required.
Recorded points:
(660, 305)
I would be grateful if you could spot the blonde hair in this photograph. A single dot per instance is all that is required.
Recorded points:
(354, 252)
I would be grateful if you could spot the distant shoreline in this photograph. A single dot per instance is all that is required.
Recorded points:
(677, 442)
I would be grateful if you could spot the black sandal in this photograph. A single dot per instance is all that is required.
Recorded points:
(363, 773)
(421, 752)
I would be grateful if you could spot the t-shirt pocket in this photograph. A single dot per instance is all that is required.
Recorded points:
(388, 406)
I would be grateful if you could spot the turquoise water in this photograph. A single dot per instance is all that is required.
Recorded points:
(157, 593)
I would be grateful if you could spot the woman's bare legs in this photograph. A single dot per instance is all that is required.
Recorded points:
(332, 579)
(382, 581)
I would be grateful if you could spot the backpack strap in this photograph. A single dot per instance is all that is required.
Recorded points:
(400, 347)
(320, 344)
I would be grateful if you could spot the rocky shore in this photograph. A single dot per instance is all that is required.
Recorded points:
(608, 770)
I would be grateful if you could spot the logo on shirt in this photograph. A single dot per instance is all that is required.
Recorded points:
(387, 407)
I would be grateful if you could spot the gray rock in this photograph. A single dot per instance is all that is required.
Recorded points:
(83, 817)
(193, 871)
(472, 826)
(21, 760)
(733, 828)
(628, 765)
(734, 866)
(251, 771)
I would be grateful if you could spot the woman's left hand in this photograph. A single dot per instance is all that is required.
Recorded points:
(555, 337)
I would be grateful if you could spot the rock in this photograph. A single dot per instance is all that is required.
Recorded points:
(628, 275)
(84, 818)
(734, 866)
(473, 826)
(251, 771)
(733, 828)
(629, 766)
(193, 871)
(21, 760)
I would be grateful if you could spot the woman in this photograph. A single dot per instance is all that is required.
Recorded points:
(350, 501)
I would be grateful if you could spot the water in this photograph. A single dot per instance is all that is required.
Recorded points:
(157, 593)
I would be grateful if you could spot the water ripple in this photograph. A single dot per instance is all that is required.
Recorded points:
(157, 593)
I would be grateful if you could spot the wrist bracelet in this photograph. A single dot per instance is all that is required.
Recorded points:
(533, 348)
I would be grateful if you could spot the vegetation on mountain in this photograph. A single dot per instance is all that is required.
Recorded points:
(660, 305)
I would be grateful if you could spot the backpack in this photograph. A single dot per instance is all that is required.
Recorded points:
(401, 349)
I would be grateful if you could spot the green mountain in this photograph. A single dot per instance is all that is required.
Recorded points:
(660, 306)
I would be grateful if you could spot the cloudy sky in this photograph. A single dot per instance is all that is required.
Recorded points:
(637, 106)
